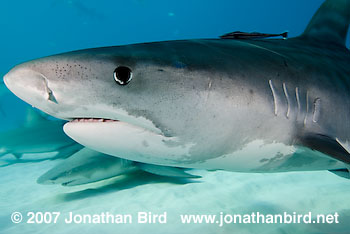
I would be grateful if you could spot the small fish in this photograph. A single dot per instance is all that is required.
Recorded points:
(251, 35)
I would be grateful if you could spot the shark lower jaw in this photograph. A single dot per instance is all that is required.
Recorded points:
(122, 139)
(96, 123)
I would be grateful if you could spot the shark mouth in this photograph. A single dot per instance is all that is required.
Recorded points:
(92, 120)
(128, 138)
(143, 124)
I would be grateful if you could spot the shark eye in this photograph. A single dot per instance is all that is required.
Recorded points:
(122, 75)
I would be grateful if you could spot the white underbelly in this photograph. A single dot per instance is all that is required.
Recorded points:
(137, 144)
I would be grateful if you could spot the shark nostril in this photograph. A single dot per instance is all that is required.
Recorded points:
(51, 97)
(29, 84)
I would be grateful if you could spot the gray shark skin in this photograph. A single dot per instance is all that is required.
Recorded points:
(263, 105)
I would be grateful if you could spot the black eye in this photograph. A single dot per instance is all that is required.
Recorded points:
(122, 75)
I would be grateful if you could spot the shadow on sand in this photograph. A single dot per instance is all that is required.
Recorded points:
(122, 183)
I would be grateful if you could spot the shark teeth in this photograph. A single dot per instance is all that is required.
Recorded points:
(93, 120)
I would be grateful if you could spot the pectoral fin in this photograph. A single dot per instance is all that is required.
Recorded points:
(327, 145)
(345, 144)
(166, 171)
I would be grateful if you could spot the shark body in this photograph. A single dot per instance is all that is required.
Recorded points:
(249, 105)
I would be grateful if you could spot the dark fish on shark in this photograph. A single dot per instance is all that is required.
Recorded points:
(251, 35)
(242, 103)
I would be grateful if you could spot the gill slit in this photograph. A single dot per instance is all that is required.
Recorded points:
(298, 99)
(307, 107)
(287, 98)
(274, 96)
(317, 107)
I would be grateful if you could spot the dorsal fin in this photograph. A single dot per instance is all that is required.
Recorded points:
(330, 23)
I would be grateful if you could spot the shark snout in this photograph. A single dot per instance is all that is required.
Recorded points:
(29, 85)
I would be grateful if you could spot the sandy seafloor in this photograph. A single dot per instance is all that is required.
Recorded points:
(228, 192)
(44, 27)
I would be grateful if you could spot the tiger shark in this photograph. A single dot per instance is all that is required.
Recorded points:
(245, 104)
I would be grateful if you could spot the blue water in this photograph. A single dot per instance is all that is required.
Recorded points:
(33, 29)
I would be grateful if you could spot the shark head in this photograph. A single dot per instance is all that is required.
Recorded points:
(142, 102)
(71, 86)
